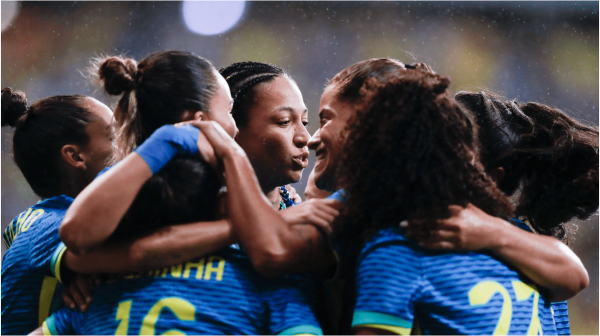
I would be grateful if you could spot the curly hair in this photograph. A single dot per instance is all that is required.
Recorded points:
(410, 153)
(551, 158)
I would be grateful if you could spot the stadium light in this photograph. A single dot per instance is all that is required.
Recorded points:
(211, 17)
(10, 9)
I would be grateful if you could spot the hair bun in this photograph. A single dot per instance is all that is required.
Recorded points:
(14, 106)
(118, 74)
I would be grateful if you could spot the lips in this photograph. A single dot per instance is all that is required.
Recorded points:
(301, 160)
(321, 154)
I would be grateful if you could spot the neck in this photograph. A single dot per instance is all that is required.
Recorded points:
(273, 197)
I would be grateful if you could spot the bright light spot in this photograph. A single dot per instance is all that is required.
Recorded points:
(212, 17)
(9, 12)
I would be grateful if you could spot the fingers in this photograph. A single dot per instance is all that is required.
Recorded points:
(66, 295)
(77, 296)
(84, 287)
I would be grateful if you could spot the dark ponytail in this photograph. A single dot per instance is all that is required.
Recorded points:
(41, 130)
(156, 91)
(14, 106)
(552, 158)
(243, 78)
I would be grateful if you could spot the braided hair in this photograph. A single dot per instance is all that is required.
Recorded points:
(243, 78)
(551, 158)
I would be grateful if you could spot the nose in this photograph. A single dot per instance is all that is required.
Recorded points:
(301, 137)
(315, 140)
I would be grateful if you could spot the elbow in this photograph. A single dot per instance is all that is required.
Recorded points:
(137, 258)
(272, 263)
(580, 282)
(72, 239)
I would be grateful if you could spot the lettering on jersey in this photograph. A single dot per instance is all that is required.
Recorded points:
(208, 268)
(484, 291)
(24, 222)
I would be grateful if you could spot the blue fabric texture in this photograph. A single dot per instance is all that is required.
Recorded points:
(31, 239)
(217, 294)
(450, 293)
(167, 142)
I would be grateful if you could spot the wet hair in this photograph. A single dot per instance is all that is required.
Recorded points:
(41, 130)
(549, 157)
(184, 191)
(410, 153)
(350, 81)
(243, 79)
(156, 91)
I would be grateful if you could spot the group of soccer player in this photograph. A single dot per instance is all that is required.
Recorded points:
(425, 212)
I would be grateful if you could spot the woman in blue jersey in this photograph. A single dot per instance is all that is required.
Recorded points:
(426, 143)
(60, 144)
(551, 161)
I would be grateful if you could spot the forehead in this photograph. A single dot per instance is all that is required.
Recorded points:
(101, 111)
(331, 104)
(280, 92)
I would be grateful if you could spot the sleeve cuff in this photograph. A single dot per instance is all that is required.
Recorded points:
(56, 260)
(49, 326)
(387, 322)
(302, 330)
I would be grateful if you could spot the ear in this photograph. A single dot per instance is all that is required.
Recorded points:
(200, 116)
(72, 156)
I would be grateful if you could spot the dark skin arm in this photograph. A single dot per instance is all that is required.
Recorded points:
(164, 247)
(545, 260)
(274, 247)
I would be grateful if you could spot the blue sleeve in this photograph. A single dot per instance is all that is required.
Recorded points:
(45, 240)
(63, 322)
(339, 195)
(289, 300)
(388, 282)
(561, 317)
(167, 142)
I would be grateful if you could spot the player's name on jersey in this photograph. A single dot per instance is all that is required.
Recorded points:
(24, 221)
(204, 269)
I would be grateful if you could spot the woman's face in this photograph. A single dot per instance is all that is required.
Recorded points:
(100, 130)
(220, 107)
(275, 137)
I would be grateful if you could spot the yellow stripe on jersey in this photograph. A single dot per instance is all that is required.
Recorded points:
(45, 329)
(46, 294)
(57, 259)
(395, 330)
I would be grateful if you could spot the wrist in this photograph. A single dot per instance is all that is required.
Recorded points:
(501, 234)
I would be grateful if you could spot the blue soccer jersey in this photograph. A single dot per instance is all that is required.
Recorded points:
(218, 294)
(449, 293)
(29, 286)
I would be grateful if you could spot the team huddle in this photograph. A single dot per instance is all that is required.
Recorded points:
(426, 212)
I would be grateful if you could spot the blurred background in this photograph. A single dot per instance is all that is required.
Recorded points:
(533, 51)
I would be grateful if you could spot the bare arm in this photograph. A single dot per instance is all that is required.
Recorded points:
(273, 246)
(98, 209)
(164, 247)
(545, 260)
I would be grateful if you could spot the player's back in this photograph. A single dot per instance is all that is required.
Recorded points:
(28, 283)
(448, 293)
(217, 294)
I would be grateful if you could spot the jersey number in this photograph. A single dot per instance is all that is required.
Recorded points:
(184, 311)
(484, 291)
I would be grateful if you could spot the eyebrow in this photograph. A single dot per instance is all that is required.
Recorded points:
(325, 110)
(289, 109)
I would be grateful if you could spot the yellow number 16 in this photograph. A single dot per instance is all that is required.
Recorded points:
(483, 292)
(184, 311)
